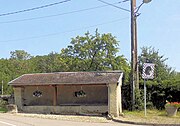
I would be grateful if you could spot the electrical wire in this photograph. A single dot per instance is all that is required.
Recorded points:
(115, 5)
(124, 1)
(53, 34)
(35, 8)
(68, 31)
(55, 15)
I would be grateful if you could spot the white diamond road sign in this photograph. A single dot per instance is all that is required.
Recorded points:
(148, 71)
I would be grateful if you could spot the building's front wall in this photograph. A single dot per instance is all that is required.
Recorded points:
(95, 95)
(45, 99)
(98, 99)
(95, 100)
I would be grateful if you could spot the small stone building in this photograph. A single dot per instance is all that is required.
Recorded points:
(69, 92)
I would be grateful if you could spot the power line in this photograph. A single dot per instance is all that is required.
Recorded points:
(35, 8)
(124, 1)
(55, 15)
(68, 31)
(115, 5)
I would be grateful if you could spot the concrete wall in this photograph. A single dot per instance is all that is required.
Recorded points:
(114, 99)
(99, 99)
(45, 99)
(95, 94)
(19, 93)
(95, 102)
(94, 110)
(119, 97)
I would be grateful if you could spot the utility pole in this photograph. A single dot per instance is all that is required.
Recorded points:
(134, 57)
(134, 54)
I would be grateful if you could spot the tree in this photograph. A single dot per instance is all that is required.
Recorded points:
(165, 85)
(150, 55)
(19, 55)
(52, 62)
(5, 75)
(93, 53)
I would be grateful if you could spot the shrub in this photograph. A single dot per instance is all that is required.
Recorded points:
(139, 104)
(3, 103)
(3, 106)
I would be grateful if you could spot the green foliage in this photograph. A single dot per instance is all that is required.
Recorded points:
(139, 102)
(52, 62)
(3, 103)
(165, 85)
(20, 55)
(3, 110)
(93, 52)
(162, 71)
(3, 106)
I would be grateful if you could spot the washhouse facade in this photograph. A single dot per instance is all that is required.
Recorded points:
(69, 93)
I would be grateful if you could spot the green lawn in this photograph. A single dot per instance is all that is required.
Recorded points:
(153, 116)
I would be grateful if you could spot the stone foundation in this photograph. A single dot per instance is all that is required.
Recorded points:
(94, 110)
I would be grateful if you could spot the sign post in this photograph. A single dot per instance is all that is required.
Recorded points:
(148, 73)
(145, 112)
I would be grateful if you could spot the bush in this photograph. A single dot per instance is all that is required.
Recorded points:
(2, 110)
(158, 93)
(3, 103)
(150, 105)
(139, 104)
(3, 106)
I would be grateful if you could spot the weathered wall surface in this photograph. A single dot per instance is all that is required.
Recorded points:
(119, 97)
(66, 109)
(95, 94)
(99, 99)
(45, 99)
(18, 93)
(114, 99)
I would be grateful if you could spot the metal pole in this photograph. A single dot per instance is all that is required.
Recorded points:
(145, 113)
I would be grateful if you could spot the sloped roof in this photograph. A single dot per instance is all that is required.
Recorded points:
(67, 78)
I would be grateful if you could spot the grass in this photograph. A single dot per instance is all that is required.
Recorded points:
(153, 116)
(3, 110)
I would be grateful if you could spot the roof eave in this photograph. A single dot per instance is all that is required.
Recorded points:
(45, 84)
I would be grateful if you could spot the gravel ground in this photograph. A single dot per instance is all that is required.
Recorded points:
(127, 118)
(66, 117)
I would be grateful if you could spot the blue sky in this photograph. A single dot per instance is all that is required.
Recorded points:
(158, 26)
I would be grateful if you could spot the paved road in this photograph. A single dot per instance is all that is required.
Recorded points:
(13, 120)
